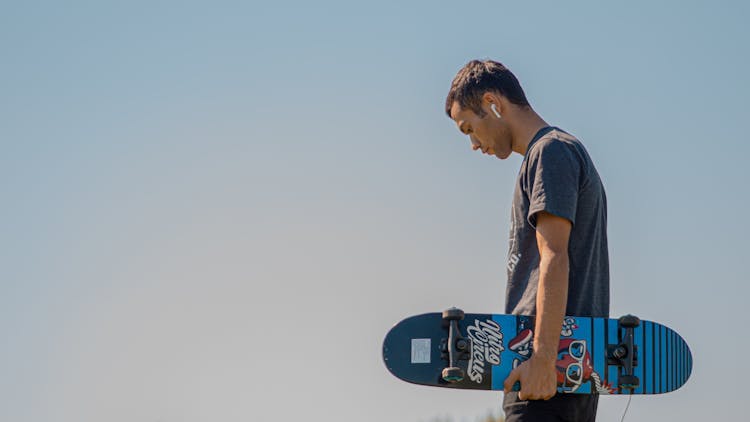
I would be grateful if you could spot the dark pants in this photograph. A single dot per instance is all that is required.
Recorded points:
(560, 408)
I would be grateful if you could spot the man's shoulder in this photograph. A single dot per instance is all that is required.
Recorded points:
(554, 139)
(555, 145)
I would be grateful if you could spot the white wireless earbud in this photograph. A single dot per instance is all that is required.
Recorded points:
(494, 110)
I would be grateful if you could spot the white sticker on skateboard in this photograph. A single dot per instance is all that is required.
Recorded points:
(420, 350)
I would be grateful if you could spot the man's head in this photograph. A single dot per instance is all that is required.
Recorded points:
(480, 92)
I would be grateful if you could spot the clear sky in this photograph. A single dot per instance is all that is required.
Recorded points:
(216, 210)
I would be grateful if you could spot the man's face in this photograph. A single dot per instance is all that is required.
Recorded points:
(488, 134)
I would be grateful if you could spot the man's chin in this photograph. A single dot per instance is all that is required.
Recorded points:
(503, 155)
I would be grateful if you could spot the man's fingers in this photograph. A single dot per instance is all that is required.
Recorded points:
(512, 378)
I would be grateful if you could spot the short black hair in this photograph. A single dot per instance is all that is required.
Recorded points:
(478, 77)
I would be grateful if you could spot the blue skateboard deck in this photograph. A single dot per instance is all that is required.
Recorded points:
(596, 355)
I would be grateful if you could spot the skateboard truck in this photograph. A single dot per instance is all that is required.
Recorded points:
(625, 354)
(455, 347)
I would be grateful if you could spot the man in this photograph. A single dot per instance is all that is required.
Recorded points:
(557, 263)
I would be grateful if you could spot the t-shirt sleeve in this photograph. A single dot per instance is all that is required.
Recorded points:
(553, 180)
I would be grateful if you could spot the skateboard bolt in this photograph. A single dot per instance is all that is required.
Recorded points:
(461, 345)
(620, 352)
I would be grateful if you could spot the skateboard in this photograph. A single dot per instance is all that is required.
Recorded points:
(454, 349)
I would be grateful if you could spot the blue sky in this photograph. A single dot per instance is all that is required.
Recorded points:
(194, 192)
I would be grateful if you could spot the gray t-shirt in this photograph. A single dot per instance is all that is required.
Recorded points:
(558, 176)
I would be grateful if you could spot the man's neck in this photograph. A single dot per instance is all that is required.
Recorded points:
(527, 125)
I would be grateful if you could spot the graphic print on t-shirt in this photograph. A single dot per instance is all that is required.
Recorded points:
(513, 255)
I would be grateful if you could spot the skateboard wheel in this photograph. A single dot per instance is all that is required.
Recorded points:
(628, 381)
(453, 374)
(453, 314)
(629, 321)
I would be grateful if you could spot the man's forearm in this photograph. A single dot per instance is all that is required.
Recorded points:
(552, 297)
(537, 375)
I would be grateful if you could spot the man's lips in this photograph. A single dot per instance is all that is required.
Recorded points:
(487, 151)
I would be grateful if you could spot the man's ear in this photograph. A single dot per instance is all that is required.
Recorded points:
(488, 99)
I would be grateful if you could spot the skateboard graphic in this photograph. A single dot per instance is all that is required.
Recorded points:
(595, 356)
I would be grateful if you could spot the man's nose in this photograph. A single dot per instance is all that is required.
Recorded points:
(474, 142)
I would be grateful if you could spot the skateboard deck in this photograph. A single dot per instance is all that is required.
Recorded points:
(596, 355)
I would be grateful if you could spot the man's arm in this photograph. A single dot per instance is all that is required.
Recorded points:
(538, 375)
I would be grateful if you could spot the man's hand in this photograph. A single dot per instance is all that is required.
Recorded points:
(538, 379)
